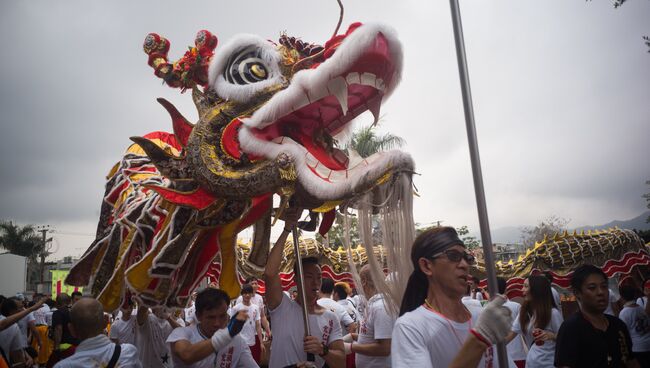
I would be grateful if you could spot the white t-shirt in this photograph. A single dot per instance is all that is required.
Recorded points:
(249, 331)
(23, 324)
(124, 331)
(150, 339)
(256, 299)
(235, 354)
(336, 308)
(97, 351)
(289, 332)
(423, 338)
(349, 307)
(638, 323)
(641, 301)
(477, 295)
(11, 339)
(376, 324)
(515, 348)
(556, 297)
(539, 356)
(359, 302)
(612, 299)
(40, 315)
(474, 305)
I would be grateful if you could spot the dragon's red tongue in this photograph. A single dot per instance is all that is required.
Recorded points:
(335, 160)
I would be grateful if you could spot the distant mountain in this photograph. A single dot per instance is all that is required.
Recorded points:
(512, 234)
(637, 223)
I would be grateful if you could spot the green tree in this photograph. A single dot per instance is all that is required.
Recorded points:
(21, 240)
(463, 233)
(336, 234)
(367, 142)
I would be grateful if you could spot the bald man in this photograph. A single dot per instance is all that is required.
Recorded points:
(372, 345)
(96, 349)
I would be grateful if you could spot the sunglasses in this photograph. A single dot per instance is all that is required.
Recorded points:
(456, 256)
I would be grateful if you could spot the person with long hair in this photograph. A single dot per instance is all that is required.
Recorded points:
(538, 322)
(435, 329)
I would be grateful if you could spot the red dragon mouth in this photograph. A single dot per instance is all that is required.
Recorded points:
(322, 112)
(318, 103)
(327, 99)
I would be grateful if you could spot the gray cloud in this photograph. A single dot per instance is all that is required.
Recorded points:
(561, 93)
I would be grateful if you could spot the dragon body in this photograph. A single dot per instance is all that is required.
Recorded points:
(269, 114)
(615, 251)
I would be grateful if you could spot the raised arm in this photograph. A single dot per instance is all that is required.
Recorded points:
(143, 314)
(272, 270)
(20, 315)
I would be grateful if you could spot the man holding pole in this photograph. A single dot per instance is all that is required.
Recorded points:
(290, 346)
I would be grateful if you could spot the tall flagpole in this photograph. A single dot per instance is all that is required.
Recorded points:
(479, 191)
(298, 277)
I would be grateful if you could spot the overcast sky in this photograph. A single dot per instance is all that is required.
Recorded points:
(561, 96)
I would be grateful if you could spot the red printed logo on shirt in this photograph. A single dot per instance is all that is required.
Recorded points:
(327, 330)
(489, 357)
(226, 358)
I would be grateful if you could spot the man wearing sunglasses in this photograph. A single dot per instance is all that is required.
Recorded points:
(435, 329)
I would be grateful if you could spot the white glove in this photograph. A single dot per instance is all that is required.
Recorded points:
(495, 321)
(348, 338)
(220, 339)
(347, 347)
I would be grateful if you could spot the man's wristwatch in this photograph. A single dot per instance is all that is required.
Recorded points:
(326, 350)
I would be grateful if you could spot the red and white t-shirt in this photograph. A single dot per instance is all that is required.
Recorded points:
(235, 354)
(249, 331)
(288, 332)
(376, 324)
(423, 338)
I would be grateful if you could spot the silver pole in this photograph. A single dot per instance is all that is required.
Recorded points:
(479, 191)
(301, 286)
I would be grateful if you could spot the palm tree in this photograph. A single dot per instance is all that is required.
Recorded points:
(366, 142)
(22, 241)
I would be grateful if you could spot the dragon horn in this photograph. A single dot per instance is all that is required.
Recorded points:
(175, 168)
(182, 127)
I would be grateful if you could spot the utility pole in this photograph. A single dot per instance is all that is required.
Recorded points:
(43, 230)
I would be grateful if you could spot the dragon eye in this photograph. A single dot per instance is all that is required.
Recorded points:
(246, 67)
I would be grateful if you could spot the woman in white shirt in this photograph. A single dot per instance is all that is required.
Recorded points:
(637, 321)
(538, 322)
(435, 329)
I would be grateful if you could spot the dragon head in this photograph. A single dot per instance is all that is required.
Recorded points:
(271, 114)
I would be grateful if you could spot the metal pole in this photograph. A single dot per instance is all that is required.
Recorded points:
(479, 191)
(301, 286)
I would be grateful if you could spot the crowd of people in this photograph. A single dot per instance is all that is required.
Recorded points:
(445, 320)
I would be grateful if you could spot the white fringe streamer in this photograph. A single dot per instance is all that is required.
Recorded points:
(394, 202)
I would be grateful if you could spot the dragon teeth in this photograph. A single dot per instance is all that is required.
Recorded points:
(379, 84)
(374, 106)
(353, 78)
(368, 79)
(339, 88)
